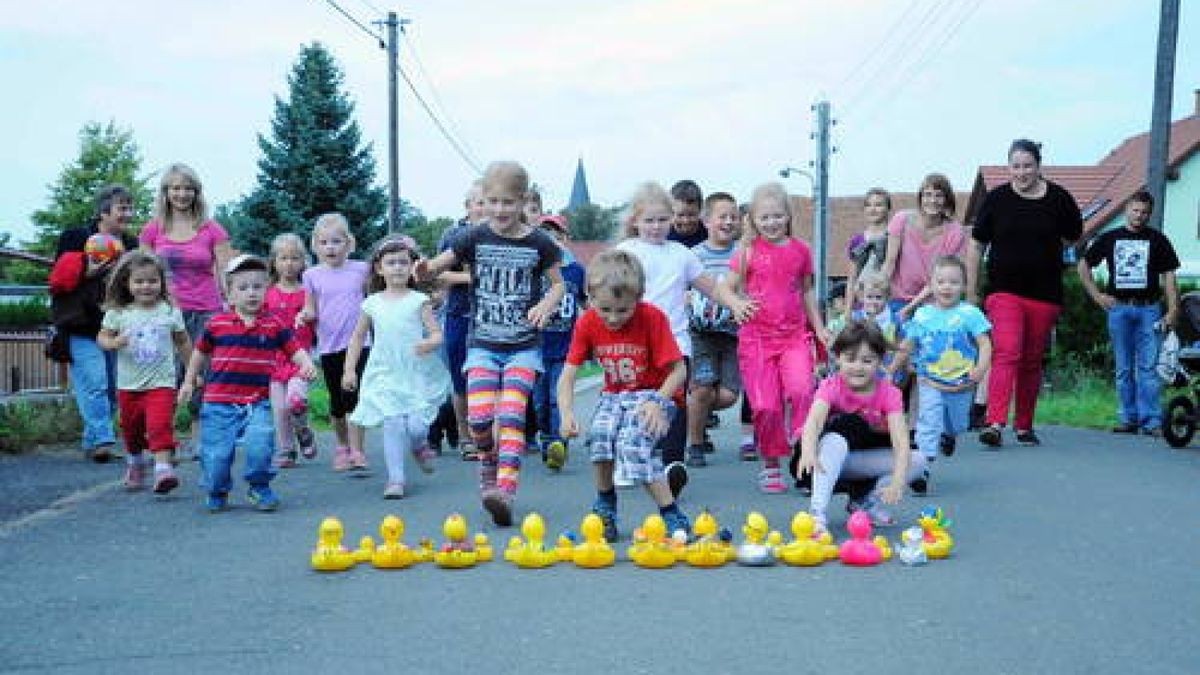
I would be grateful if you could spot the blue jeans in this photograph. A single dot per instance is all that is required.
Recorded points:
(1135, 351)
(940, 412)
(545, 400)
(94, 379)
(221, 427)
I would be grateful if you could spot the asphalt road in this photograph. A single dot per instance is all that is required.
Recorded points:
(1080, 556)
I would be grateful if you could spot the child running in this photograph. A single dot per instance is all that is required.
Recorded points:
(644, 375)
(778, 320)
(868, 249)
(333, 294)
(855, 418)
(507, 258)
(146, 331)
(289, 392)
(241, 345)
(953, 351)
(405, 382)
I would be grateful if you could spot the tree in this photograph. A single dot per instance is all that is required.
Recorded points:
(313, 163)
(591, 222)
(107, 154)
(427, 233)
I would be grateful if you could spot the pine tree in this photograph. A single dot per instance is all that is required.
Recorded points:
(313, 163)
(107, 155)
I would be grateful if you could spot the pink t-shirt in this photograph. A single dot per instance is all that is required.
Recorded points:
(774, 281)
(873, 407)
(284, 306)
(914, 261)
(193, 284)
(338, 294)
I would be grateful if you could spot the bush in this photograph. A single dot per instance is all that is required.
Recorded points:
(1081, 339)
(32, 311)
(25, 424)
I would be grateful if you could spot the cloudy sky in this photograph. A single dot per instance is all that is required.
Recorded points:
(716, 90)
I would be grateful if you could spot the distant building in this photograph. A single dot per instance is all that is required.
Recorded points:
(579, 190)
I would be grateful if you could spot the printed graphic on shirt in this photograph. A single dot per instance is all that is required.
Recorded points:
(622, 362)
(1131, 264)
(568, 308)
(504, 289)
(147, 340)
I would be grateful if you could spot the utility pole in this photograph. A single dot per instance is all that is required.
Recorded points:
(393, 57)
(1160, 117)
(821, 200)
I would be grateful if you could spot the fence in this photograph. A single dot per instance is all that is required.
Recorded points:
(24, 363)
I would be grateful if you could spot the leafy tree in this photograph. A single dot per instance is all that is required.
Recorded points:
(428, 232)
(314, 162)
(592, 222)
(107, 154)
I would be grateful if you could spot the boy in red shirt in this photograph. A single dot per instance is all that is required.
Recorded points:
(644, 374)
(242, 345)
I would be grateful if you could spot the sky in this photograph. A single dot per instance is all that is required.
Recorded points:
(720, 91)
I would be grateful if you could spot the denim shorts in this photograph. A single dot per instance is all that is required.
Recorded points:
(715, 361)
(617, 432)
(482, 357)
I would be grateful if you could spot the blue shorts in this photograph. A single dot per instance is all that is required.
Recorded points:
(482, 357)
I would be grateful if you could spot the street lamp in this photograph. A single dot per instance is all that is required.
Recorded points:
(820, 228)
(788, 171)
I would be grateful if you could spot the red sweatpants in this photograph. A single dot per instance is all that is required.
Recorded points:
(147, 419)
(1020, 330)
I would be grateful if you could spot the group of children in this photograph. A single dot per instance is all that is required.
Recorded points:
(679, 333)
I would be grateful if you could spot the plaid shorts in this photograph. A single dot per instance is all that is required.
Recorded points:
(617, 436)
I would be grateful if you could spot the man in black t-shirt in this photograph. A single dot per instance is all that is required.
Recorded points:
(1141, 269)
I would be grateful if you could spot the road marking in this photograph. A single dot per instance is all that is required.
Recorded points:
(59, 507)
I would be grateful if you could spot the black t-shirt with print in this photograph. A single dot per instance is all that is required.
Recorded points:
(1134, 260)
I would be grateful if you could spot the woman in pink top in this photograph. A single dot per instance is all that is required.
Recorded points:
(194, 248)
(775, 270)
(918, 237)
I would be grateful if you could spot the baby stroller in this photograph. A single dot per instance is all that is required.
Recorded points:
(1179, 366)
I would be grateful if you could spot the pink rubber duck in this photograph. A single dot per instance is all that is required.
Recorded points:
(860, 550)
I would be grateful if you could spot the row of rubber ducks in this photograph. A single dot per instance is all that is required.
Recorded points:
(709, 545)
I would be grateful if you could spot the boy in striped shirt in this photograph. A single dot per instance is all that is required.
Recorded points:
(241, 345)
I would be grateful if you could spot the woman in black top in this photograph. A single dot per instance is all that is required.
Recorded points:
(1023, 226)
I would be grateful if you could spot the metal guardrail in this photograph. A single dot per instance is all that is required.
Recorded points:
(23, 363)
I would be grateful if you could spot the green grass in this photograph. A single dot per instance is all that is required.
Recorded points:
(1085, 400)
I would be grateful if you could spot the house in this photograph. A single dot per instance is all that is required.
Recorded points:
(1103, 190)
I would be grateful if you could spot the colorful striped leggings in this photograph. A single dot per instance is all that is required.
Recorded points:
(496, 404)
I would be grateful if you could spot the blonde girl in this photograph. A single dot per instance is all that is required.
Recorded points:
(404, 382)
(147, 332)
(333, 290)
(289, 391)
(671, 269)
(194, 249)
(868, 249)
(779, 317)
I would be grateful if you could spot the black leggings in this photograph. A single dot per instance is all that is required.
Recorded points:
(341, 402)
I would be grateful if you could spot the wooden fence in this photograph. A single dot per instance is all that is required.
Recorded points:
(23, 363)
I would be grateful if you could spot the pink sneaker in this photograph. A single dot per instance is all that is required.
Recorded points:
(424, 456)
(770, 481)
(165, 480)
(341, 458)
(358, 461)
(135, 476)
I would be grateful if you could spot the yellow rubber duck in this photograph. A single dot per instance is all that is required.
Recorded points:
(593, 552)
(803, 550)
(707, 549)
(564, 548)
(483, 547)
(330, 555)
(885, 547)
(756, 550)
(424, 551)
(365, 550)
(531, 552)
(937, 541)
(456, 552)
(651, 548)
(392, 554)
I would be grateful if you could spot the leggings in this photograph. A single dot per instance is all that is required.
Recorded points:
(496, 405)
(839, 462)
(777, 373)
(402, 434)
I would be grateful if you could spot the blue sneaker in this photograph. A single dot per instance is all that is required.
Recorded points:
(678, 520)
(216, 501)
(608, 514)
(263, 498)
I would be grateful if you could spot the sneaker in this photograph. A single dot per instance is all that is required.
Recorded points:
(263, 498)
(286, 459)
(770, 481)
(608, 515)
(135, 476)
(677, 478)
(393, 491)
(358, 462)
(947, 445)
(307, 440)
(695, 456)
(499, 505)
(216, 501)
(556, 455)
(747, 452)
(165, 480)
(1028, 438)
(341, 458)
(990, 436)
(712, 422)
(677, 520)
(101, 454)
(920, 485)
(880, 516)
(424, 455)
(1125, 428)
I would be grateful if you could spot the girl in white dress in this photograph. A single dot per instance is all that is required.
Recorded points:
(404, 382)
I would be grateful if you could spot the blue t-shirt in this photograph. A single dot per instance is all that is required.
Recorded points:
(458, 296)
(704, 315)
(556, 336)
(946, 349)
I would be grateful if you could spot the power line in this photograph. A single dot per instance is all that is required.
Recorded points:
(358, 23)
(434, 95)
(438, 123)
(896, 56)
(879, 46)
(371, 6)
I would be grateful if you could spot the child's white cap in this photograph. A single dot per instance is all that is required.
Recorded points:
(245, 262)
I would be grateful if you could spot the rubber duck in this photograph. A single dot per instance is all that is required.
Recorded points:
(937, 541)
(708, 548)
(885, 546)
(365, 550)
(392, 554)
(564, 547)
(860, 550)
(531, 552)
(593, 552)
(425, 550)
(651, 548)
(483, 548)
(456, 552)
(912, 549)
(805, 550)
(330, 555)
(755, 551)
